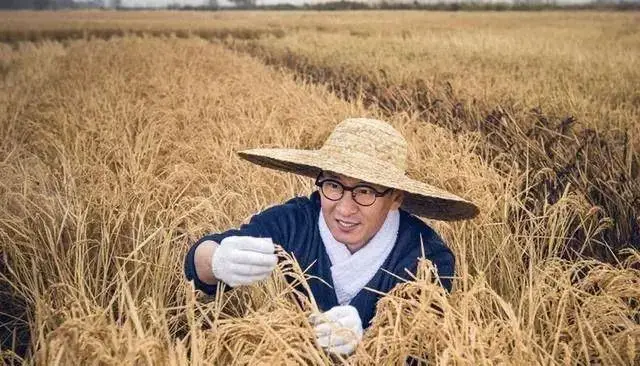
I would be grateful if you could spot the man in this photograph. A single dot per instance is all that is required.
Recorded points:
(356, 231)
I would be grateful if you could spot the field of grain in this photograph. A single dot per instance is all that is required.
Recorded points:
(119, 136)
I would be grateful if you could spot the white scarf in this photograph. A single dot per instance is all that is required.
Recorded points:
(352, 272)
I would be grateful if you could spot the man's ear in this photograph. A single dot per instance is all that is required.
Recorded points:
(397, 197)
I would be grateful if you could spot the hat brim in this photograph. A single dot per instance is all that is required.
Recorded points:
(420, 198)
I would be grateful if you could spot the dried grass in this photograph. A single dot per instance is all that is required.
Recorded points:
(113, 165)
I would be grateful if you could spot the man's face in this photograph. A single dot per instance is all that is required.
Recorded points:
(350, 223)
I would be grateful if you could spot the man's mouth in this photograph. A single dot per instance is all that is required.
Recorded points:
(346, 224)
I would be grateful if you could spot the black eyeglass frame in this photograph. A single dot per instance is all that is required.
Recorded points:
(351, 189)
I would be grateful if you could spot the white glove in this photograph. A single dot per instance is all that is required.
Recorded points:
(338, 330)
(243, 260)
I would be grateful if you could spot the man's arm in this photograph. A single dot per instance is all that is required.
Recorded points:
(236, 261)
(231, 263)
(202, 260)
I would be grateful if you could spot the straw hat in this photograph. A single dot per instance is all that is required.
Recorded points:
(372, 151)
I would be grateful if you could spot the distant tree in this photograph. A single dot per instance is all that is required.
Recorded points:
(42, 4)
(16, 4)
(37, 4)
(244, 3)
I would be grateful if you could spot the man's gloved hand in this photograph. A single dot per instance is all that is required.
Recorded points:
(338, 330)
(243, 260)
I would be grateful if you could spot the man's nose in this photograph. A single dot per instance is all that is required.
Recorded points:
(347, 206)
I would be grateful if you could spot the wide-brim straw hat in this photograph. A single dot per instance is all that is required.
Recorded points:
(372, 151)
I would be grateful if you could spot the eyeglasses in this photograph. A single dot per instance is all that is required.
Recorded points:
(362, 194)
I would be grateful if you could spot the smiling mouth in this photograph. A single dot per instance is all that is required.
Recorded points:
(346, 225)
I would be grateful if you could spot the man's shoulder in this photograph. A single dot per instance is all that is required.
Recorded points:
(296, 206)
(422, 239)
(416, 229)
(303, 202)
(415, 224)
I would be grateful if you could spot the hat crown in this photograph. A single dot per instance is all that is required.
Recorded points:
(371, 138)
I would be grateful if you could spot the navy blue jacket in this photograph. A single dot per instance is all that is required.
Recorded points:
(294, 225)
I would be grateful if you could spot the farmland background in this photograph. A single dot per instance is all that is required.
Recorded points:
(119, 135)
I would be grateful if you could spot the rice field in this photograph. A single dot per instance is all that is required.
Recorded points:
(119, 136)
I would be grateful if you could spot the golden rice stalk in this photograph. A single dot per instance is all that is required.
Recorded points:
(418, 322)
(268, 323)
